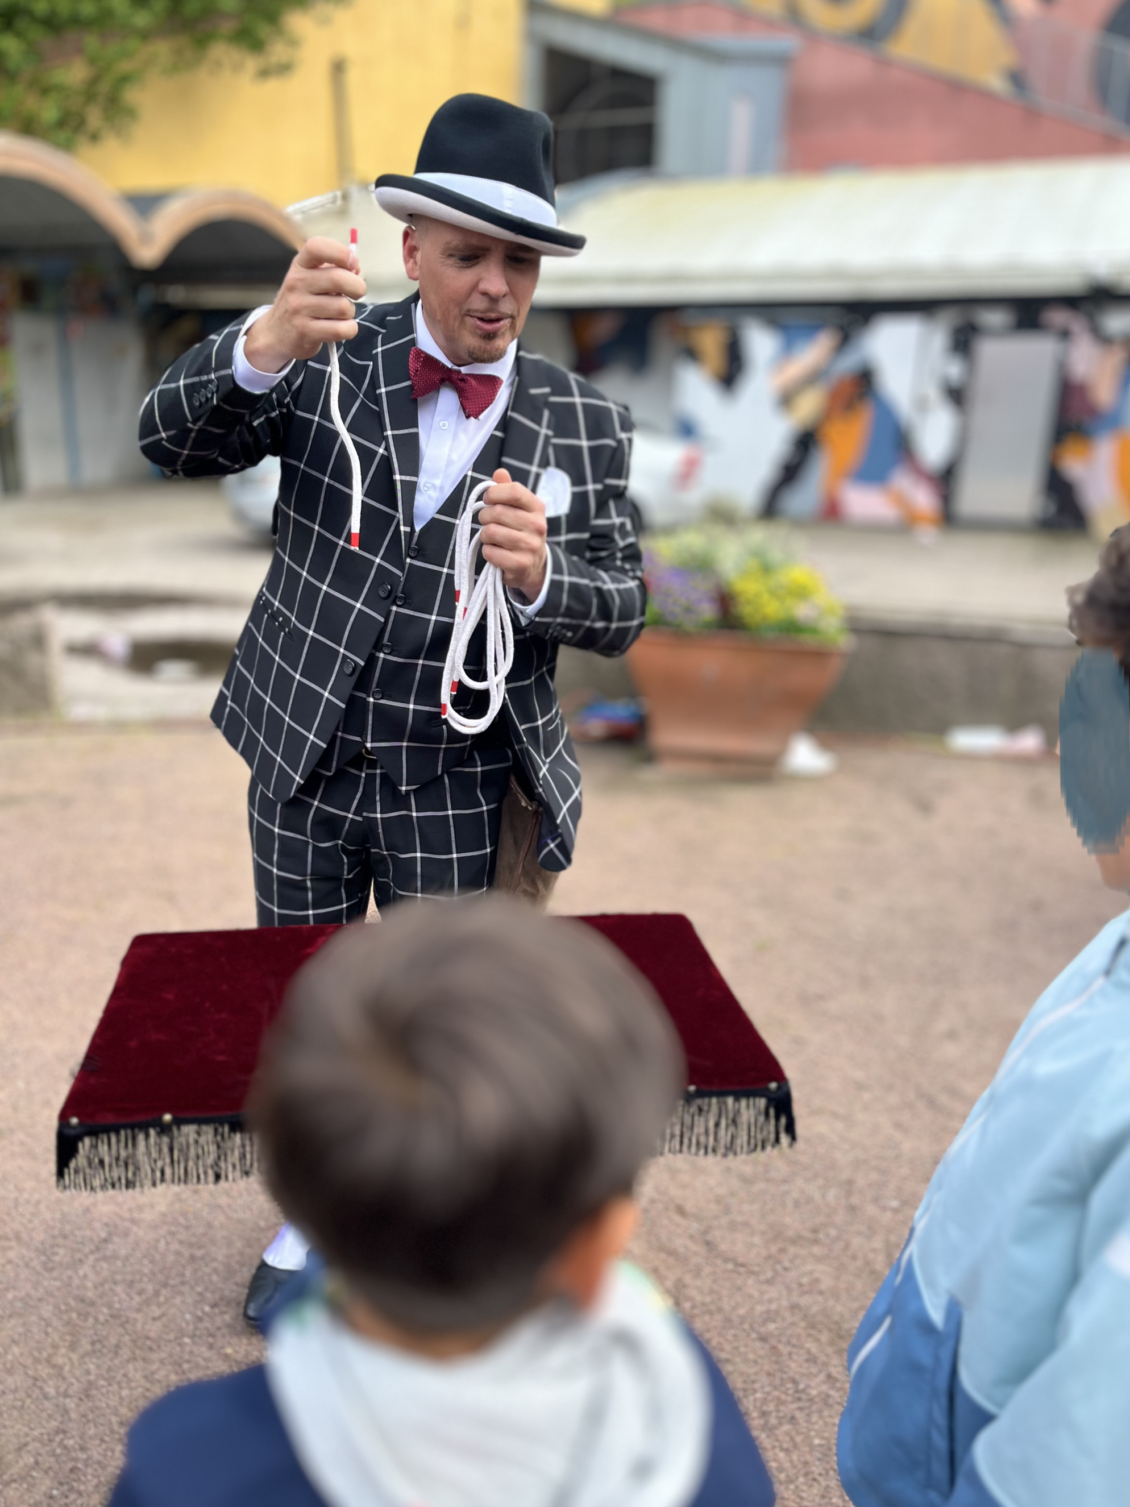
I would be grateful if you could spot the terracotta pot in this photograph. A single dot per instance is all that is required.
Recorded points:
(726, 702)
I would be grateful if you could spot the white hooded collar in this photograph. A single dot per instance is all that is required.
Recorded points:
(609, 1408)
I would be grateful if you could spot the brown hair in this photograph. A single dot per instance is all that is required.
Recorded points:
(1099, 609)
(447, 1096)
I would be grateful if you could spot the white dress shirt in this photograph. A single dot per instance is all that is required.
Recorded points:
(450, 442)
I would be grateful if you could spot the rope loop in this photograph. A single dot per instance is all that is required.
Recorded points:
(350, 450)
(473, 599)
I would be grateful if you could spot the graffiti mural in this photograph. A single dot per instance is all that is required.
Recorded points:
(1089, 473)
(871, 419)
(967, 38)
(1072, 54)
(850, 459)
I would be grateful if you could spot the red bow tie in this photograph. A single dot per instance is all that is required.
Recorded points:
(477, 391)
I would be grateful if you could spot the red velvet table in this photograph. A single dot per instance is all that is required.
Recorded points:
(159, 1095)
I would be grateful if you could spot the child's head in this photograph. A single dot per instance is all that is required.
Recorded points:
(448, 1097)
(1095, 713)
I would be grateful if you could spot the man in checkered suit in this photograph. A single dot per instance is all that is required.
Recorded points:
(333, 696)
(359, 784)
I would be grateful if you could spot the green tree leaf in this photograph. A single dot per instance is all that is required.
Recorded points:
(69, 68)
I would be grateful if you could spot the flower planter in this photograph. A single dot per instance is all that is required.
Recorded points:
(726, 702)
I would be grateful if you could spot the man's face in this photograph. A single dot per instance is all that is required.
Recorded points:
(475, 289)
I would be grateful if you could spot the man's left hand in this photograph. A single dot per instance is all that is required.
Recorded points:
(513, 535)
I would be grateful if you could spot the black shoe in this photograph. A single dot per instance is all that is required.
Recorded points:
(265, 1286)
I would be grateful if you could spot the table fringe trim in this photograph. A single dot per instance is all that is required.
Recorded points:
(728, 1125)
(148, 1156)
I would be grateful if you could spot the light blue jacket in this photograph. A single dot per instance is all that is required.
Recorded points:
(993, 1366)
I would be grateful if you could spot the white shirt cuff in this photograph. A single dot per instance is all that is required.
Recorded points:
(249, 377)
(527, 611)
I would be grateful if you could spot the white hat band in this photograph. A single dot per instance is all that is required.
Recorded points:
(505, 197)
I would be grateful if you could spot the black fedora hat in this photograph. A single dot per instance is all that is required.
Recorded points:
(487, 166)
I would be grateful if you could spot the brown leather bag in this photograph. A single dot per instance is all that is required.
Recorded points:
(517, 871)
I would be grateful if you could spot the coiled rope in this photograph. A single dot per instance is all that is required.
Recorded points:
(473, 599)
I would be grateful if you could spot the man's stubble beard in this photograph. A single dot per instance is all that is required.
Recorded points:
(480, 351)
(486, 355)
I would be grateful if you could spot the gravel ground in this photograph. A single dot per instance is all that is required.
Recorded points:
(887, 928)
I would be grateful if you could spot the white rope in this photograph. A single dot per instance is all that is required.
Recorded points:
(473, 599)
(350, 449)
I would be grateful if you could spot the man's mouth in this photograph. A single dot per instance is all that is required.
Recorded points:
(489, 324)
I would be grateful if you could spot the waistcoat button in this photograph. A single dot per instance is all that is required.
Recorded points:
(378, 694)
(349, 667)
(385, 590)
(400, 599)
(413, 550)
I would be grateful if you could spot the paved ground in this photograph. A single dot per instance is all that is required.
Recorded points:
(887, 928)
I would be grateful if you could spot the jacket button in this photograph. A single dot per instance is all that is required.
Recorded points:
(384, 591)
(349, 667)
(413, 550)
(400, 599)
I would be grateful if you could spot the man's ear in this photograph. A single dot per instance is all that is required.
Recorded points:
(577, 1270)
(410, 246)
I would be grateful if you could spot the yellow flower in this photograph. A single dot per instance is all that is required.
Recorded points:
(785, 599)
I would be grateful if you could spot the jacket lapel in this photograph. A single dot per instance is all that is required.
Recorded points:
(398, 408)
(528, 433)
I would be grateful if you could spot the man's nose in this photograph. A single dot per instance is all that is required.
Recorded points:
(492, 283)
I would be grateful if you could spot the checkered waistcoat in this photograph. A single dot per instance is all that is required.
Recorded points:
(324, 608)
(393, 712)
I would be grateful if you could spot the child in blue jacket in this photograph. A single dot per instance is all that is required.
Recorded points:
(454, 1108)
(993, 1366)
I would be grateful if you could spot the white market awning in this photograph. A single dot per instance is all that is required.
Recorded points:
(997, 230)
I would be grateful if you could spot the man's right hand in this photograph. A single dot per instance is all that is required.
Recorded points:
(313, 306)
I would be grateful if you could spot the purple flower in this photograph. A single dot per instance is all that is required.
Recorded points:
(678, 598)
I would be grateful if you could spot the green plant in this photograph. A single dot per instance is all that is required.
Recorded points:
(68, 68)
(747, 577)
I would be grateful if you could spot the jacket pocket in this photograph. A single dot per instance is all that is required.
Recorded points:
(895, 1446)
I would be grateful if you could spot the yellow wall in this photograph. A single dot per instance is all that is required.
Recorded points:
(221, 125)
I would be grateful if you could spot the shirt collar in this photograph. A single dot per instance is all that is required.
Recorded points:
(502, 368)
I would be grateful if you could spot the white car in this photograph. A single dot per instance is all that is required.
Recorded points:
(665, 483)
(666, 479)
(252, 495)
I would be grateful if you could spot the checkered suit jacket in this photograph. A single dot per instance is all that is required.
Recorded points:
(322, 607)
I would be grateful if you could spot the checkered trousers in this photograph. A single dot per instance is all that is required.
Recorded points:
(324, 607)
(319, 855)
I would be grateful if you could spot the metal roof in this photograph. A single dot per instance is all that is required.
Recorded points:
(993, 230)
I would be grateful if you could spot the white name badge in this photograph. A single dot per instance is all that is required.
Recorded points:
(556, 491)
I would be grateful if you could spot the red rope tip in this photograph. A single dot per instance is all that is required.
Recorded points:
(443, 708)
(353, 235)
(355, 541)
